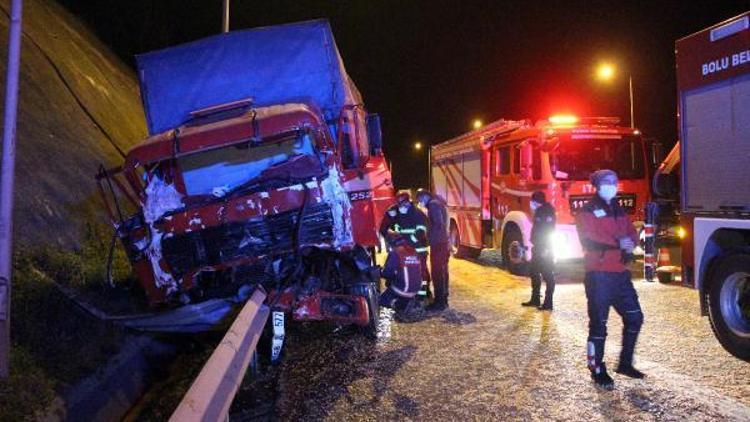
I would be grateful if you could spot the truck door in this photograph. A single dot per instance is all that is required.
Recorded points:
(499, 200)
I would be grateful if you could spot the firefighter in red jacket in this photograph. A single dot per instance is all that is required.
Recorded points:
(608, 239)
(403, 274)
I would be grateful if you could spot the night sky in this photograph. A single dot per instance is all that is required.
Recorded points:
(431, 67)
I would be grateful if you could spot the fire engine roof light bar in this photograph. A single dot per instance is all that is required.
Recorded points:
(563, 119)
(601, 120)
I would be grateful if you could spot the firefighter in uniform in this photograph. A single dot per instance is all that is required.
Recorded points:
(403, 275)
(412, 224)
(437, 231)
(542, 257)
(608, 238)
(388, 225)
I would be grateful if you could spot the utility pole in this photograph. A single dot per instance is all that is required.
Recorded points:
(630, 86)
(225, 17)
(6, 182)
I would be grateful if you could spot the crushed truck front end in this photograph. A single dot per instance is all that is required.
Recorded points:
(241, 196)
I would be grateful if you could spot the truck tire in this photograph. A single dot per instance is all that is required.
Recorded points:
(665, 277)
(457, 249)
(729, 304)
(370, 292)
(512, 251)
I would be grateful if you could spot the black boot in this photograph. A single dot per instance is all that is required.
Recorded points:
(601, 377)
(533, 302)
(629, 371)
(437, 306)
(546, 306)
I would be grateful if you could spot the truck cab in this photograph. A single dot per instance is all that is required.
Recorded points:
(285, 194)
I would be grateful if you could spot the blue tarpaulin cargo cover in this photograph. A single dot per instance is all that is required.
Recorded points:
(270, 64)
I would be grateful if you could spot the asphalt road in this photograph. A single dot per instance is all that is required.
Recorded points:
(487, 358)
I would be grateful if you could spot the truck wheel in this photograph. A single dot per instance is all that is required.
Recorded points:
(729, 304)
(370, 292)
(458, 250)
(513, 251)
(665, 277)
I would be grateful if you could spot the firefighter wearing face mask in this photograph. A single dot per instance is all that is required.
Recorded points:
(542, 257)
(411, 224)
(608, 239)
(388, 225)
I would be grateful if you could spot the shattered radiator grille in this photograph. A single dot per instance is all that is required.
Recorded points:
(217, 245)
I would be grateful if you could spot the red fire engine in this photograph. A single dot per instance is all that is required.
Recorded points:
(713, 81)
(487, 177)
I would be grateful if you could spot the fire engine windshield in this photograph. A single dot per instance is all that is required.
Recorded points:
(218, 171)
(576, 158)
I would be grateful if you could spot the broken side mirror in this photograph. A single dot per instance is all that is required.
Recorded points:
(375, 134)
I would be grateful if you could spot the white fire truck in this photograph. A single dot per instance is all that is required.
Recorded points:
(487, 177)
(713, 80)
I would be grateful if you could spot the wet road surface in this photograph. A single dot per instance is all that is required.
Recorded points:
(487, 358)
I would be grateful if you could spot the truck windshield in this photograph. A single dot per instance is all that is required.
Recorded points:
(220, 170)
(576, 159)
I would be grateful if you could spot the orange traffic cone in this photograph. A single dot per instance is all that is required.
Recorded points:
(664, 259)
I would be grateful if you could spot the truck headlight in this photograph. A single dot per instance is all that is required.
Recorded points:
(560, 245)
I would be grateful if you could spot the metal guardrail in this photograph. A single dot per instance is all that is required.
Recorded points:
(212, 392)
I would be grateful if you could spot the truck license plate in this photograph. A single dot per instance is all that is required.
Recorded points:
(625, 200)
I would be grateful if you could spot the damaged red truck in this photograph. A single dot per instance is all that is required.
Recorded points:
(262, 168)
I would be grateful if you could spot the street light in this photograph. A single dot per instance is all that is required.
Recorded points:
(418, 146)
(606, 72)
(477, 123)
(225, 16)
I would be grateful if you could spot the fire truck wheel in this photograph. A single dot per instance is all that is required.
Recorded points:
(513, 257)
(457, 249)
(665, 277)
(729, 304)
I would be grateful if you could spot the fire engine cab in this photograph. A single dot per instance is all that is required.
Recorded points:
(487, 177)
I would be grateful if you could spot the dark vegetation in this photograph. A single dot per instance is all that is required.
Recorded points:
(55, 343)
(78, 107)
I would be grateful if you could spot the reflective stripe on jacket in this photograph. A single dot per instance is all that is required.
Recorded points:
(413, 226)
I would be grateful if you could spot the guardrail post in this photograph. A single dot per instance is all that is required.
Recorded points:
(212, 392)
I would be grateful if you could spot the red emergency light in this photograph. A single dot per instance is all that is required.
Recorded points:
(563, 119)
